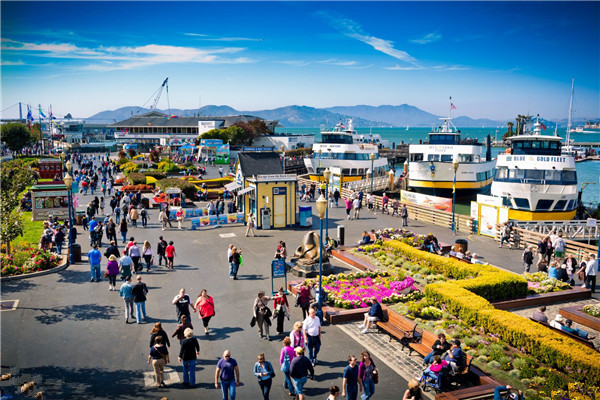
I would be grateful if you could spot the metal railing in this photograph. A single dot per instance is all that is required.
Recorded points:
(574, 230)
(379, 183)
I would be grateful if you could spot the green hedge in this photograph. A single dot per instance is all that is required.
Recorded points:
(155, 174)
(136, 178)
(187, 188)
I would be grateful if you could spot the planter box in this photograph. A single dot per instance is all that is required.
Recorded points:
(576, 314)
(574, 294)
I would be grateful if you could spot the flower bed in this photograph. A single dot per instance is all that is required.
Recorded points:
(135, 188)
(539, 282)
(26, 259)
(402, 235)
(352, 290)
(592, 309)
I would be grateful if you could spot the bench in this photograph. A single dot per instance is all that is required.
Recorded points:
(399, 327)
(425, 346)
(445, 247)
(565, 333)
(459, 258)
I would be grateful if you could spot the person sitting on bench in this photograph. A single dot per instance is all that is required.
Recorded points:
(440, 346)
(432, 372)
(366, 238)
(455, 358)
(375, 314)
(510, 396)
(576, 331)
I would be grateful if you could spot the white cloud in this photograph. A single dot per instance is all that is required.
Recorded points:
(294, 63)
(398, 67)
(202, 36)
(11, 63)
(333, 61)
(429, 38)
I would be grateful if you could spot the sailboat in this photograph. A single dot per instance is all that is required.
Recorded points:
(406, 127)
(568, 149)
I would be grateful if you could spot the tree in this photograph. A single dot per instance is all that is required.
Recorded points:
(15, 136)
(15, 178)
(216, 134)
(36, 132)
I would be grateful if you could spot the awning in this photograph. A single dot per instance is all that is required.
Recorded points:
(247, 190)
(233, 186)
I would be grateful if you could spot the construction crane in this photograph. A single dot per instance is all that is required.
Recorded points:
(156, 95)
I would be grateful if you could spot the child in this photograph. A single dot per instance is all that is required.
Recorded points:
(434, 369)
(334, 392)
(84, 222)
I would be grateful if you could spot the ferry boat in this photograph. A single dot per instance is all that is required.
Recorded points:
(344, 148)
(430, 165)
(534, 179)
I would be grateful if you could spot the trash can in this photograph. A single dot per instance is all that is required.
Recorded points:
(76, 248)
(305, 215)
(79, 217)
(341, 232)
(461, 245)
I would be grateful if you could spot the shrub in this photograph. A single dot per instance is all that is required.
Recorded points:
(187, 188)
(592, 309)
(494, 364)
(515, 373)
(482, 359)
(129, 167)
(26, 259)
(155, 174)
(136, 178)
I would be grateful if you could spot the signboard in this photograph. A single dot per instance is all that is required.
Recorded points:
(211, 142)
(278, 270)
(269, 148)
(205, 126)
(433, 202)
(53, 201)
(222, 154)
(591, 222)
(211, 220)
(488, 218)
(489, 200)
(172, 190)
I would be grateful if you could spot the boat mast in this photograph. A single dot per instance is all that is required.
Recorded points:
(570, 112)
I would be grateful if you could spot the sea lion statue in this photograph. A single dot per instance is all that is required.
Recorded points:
(306, 257)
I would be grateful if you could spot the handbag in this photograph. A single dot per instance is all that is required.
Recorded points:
(285, 366)
(106, 274)
(271, 370)
(376, 378)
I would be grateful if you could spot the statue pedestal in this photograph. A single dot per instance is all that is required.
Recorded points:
(306, 270)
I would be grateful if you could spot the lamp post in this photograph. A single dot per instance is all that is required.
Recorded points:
(327, 175)
(455, 168)
(283, 157)
(69, 183)
(319, 169)
(372, 157)
(321, 210)
(169, 151)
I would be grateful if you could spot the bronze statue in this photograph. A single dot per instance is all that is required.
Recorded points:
(306, 257)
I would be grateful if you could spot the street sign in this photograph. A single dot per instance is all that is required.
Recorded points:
(278, 270)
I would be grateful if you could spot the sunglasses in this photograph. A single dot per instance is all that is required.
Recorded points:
(227, 356)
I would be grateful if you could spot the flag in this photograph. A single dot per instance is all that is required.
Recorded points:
(41, 112)
(542, 126)
(149, 124)
(452, 107)
(51, 115)
(29, 114)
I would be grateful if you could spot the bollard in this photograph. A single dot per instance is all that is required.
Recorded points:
(341, 231)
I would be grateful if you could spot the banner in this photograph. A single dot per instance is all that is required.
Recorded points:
(211, 220)
(433, 202)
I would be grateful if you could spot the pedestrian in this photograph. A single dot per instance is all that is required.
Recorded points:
(234, 262)
(134, 216)
(251, 222)
(281, 252)
(281, 306)
(163, 218)
(348, 203)
(125, 293)
(404, 214)
(182, 304)
(263, 370)
(356, 205)
(102, 205)
(505, 235)
(139, 291)
(205, 306)
(559, 246)
(300, 370)
(159, 355)
(285, 359)
(136, 254)
(262, 313)
(111, 230)
(179, 332)
(117, 215)
(157, 330)
(528, 258)
(188, 354)
(125, 264)
(384, 209)
(297, 336)
(123, 229)
(160, 250)
(170, 253)
(180, 216)
(312, 335)
(334, 392)
(229, 374)
(112, 270)
(304, 298)
(148, 255)
(591, 271)
(367, 372)
(414, 391)
(95, 257)
(370, 201)
(351, 382)
(144, 216)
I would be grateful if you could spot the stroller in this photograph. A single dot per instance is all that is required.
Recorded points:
(430, 380)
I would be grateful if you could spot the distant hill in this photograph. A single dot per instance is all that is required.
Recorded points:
(295, 116)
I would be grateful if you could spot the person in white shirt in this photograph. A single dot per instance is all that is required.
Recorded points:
(591, 270)
(356, 207)
(557, 322)
(312, 335)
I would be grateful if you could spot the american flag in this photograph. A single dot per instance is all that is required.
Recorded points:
(452, 107)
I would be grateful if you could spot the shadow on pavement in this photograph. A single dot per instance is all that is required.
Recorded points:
(74, 276)
(221, 333)
(17, 286)
(80, 312)
(250, 277)
(186, 267)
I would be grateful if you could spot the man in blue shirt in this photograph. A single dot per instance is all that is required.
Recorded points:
(227, 370)
(95, 257)
(125, 293)
(92, 228)
(375, 314)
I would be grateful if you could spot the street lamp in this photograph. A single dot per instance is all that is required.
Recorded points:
(455, 167)
(69, 183)
(283, 157)
(319, 169)
(327, 175)
(321, 209)
(372, 157)
(169, 151)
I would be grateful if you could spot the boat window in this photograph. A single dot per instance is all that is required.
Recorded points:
(446, 158)
(521, 203)
(433, 157)
(361, 171)
(346, 171)
(501, 173)
(569, 178)
(516, 174)
(552, 176)
(526, 145)
(518, 145)
(544, 145)
(560, 205)
(554, 145)
(544, 205)
(536, 144)
(571, 205)
(534, 174)
(466, 157)
(353, 171)
(416, 157)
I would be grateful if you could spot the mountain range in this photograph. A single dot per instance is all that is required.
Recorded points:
(364, 116)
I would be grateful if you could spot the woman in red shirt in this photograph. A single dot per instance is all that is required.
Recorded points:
(206, 308)
(280, 305)
(170, 253)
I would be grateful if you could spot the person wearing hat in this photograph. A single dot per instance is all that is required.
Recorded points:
(557, 322)
(576, 331)
(300, 368)
(510, 396)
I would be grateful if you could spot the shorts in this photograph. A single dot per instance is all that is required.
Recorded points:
(299, 384)
(558, 254)
(372, 319)
(170, 259)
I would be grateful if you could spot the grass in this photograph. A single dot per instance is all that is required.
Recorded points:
(32, 230)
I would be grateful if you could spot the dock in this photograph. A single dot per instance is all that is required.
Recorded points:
(588, 158)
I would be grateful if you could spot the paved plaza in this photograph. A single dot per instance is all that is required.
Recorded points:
(69, 335)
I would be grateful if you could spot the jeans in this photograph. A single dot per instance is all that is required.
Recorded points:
(228, 389)
(117, 218)
(140, 311)
(505, 239)
(288, 383)
(128, 308)
(233, 269)
(59, 247)
(369, 389)
(124, 237)
(134, 223)
(428, 358)
(314, 345)
(189, 372)
(351, 392)
(144, 221)
(265, 387)
(95, 272)
(147, 259)
(161, 256)
(590, 282)
(299, 384)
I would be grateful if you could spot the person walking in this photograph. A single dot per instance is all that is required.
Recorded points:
(111, 230)
(125, 264)
(182, 304)
(163, 218)
(297, 336)
(312, 335)
(286, 356)
(414, 391)
(591, 271)
(159, 356)
(95, 257)
(262, 313)
(367, 372)
(170, 253)
(188, 353)
(205, 306)
(356, 205)
(147, 254)
(123, 229)
(263, 370)
(348, 203)
(139, 291)
(180, 216)
(280, 305)
(144, 216)
(251, 222)
(179, 332)
(235, 260)
(300, 370)
(135, 254)
(125, 291)
(528, 258)
(157, 330)
(351, 383)
(229, 374)
(505, 235)
(134, 216)
(160, 250)
(303, 298)
(112, 270)
(404, 214)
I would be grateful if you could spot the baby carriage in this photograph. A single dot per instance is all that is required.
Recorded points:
(430, 380)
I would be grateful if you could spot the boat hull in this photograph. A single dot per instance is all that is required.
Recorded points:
(524, 215)
(444, 189)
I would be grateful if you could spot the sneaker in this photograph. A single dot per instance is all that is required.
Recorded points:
(364, 331)
(361, 326)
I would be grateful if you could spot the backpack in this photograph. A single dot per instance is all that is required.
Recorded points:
(144, 212)
(285, 367)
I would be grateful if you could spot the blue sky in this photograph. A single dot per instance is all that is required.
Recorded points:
(496, 59)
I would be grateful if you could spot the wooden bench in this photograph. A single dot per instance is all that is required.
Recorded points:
(425, 346)
(399, 327)
(445, 247)
(565, 333)
(459, 258)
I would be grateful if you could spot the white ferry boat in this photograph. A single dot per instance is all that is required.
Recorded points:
(430, 168)
(344, 148)
(533, 178)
